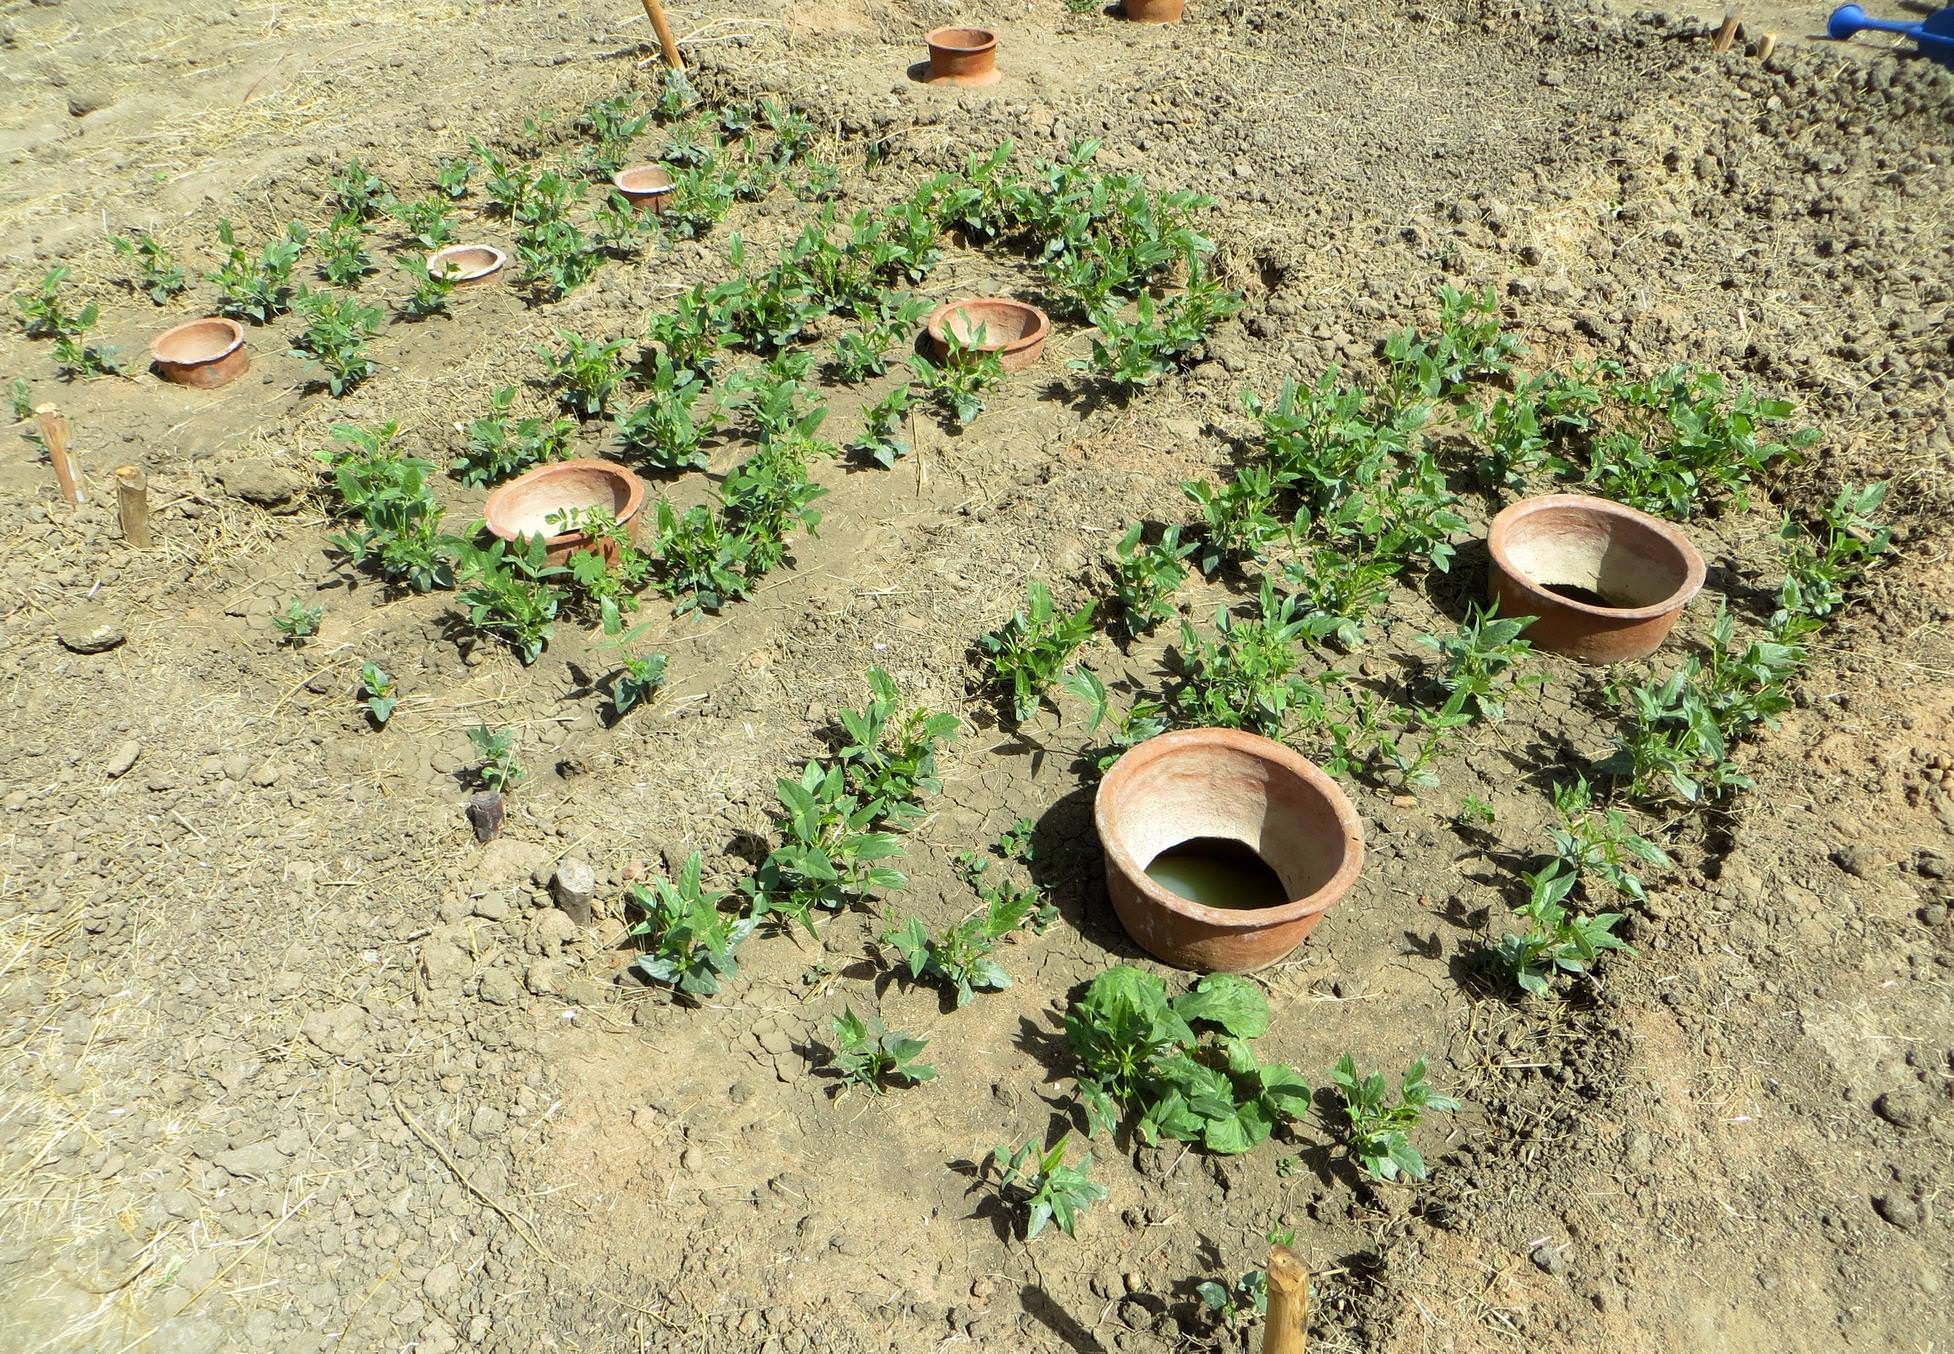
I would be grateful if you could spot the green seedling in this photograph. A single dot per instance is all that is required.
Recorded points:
(620, 229)
(676, 97)
(691, 944)
(1557, 939)
(1039, 1182)
(1245, 677)
(336, 330)
(768, 497)
(610, 567)
(21, 398)
(257, 291)
(863, 351)
(505, 185)
(555, 258)
(1014, 843)
(498, 447)
(496, 748)
(1476, 812)
(663, 430)
(1377, 1129)
(427, 221)
(511, 592)
(1028, 651)
(1594, 843)
(162, 276)
(377, 693)
(1143, 720)
(398, 517)
(1238, 519)
(586, 373)
(961, 960)
(46, 316)
(1145, 577)
(701, 564)
(888, 755)
(298, 622)
(431, 290)
(639, 676)
(1822, 562)
(870, 1055)
(701, 197)
(956, 385)
(1469, 345)
(1139, 1055)
(1136, 353)
(881, 440)
(684, 336)
(792, 131)
(828, 852)
(452, 179)
(820, 182)
(1481, 658)
(357, 192)
(343, 260)
(611, 124)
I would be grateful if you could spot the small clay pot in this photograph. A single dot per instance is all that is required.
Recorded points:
(467, 265)
(646, 187)
(524, 505)
(1016, 332)
(962, 56)
(206, 353)
(1153, 11)
(1240, 787)
(1604, 581)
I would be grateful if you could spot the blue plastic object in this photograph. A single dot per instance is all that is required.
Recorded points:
(1935, 33)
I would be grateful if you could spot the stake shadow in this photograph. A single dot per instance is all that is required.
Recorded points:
(1046, 1311)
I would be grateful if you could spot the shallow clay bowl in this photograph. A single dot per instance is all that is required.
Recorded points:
(646, 187)
(1630, 575)
(204, 353)
(466, 265)
(1153, 11)
(1013, 330)
(1239, 787)
(962, 56)
(524, 506)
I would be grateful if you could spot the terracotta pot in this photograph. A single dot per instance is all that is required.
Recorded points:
(204, 353)
(1153, 11)
(467, 265)
(1239, 787)
(1605, 581)
(962, 56)
(524, 505)
(1016, 332)
(646, 187)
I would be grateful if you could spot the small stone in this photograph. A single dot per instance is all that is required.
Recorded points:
(86, 99)
(267, 775)
(500, 988)
(445, 965)
(552, 931)
(1901, 1210)
(545, 977)
(573, 886)
(694, 1158)
(123, 757)
(264, 483)
(89, 628)
(1850, 859)
(1549, 1260)
(1904, 1107)
(485, 816)
(236, 765)
(442, 1282)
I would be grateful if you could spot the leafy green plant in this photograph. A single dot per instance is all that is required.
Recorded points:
(298, 622)
(881, 439)
(611, 124)
(555, 258)
(701, 564)
(828, 851)
(1480, 659)
(46, 316)
(336, 330)
(1145, 576)
(1557, 939)
(1377, 1129)
(1245, 677)
(377, 693)
(863, 351)
(1238, 519)
(428, 222)
(357, 192)
(691, 944)
(1027, 651)
(767, 497)
(398, 516)
(663, 431)
(257, 291)
(497, 447)
(511, 592)
(676, 97)
(639, 675)
(961, 959)
(957, 384)
(162, 276)
(1143, 719)
(431, 289)
(496, 748)
(586, 373)
(701, 197)
(451, 180)
(1477, 812)
(1469, 344)
(1136, 353)
(1038, 1181)
(1596, 843)
(620, 229)
(1139, 1055)
(343, 260)
(685, 336)
(869, 1054)
(1822, 562)
(888, 754)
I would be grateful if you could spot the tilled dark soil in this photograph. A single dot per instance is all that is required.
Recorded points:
(287, 1061)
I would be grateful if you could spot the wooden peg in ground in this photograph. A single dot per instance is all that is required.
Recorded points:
(132, 505)
(1766, 45)
(1287, 1331)
(54, 436)
(1728, 33)
(666, 42)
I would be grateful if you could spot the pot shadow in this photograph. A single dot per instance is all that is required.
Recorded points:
(1043, 1308)
(1068, 866)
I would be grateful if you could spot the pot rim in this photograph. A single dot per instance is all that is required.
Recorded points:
(656, 190)
(1511, 516)
(1042, 327)
(934, 37)
(1233, 918)
(496, 256)
(237, 341)
(502, 492)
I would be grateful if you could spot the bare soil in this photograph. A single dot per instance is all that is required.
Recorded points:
(288, 1061)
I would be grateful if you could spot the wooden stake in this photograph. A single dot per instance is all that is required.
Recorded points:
(1287, 1331)
(1767, 45)
(54, 436)
(655, 12)
(1725, 35)
(132, 505)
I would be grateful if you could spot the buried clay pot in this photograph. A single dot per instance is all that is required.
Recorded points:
(204, 353)
(1152, 11)
(646, 187)
(962, 56)
(466, 265)
(1228, 788)
(1605, 582)
(1013, 330)
(524, 506)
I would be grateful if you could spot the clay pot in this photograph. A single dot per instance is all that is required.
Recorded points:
(524, 505)
(1239, 787)
(646, 187)
(1016, 332)
(467, 265)
(1153, 11)
(962, 56)
(1633, 572)
(204, 353)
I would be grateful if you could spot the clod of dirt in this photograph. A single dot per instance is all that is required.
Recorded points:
(573, 886)
(500, 988)
(263, 483)
(90, 628)
(1904, 1107)
(123, 757)
(86, 100)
